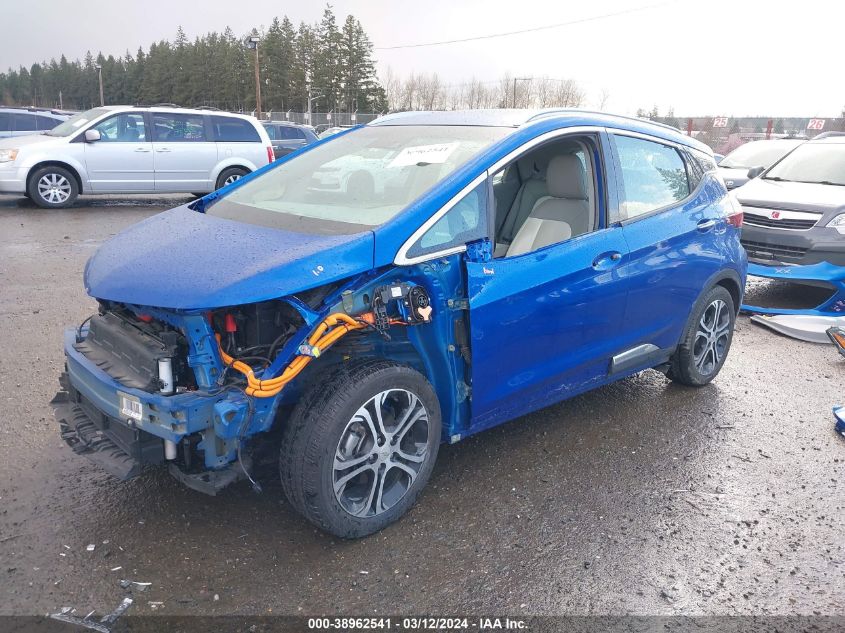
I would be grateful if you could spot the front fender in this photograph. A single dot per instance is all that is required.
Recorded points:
(41, 157)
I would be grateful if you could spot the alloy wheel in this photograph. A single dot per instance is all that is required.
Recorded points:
(380, 453)
(54, 188)
(711, 337)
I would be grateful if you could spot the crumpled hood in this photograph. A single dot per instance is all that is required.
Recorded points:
(184, 259)
(796, 196)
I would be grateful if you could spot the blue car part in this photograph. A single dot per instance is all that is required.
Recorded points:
(825, 272)
(839, 414)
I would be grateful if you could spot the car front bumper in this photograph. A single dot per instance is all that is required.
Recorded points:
(774, 247)
(88, 412)
(12, 178)
(823, 273)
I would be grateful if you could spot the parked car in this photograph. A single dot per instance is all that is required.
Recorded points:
(26, 121)
(758, 155)
(795, 211)
(530, 256)
(288, 137)
(126, 149)
(331, 131)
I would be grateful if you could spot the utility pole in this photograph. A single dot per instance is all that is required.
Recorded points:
(253, 43)
(100, 76)
(61, 104)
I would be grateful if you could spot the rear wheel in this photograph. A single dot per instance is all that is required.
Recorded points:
(230, 175)
(706, 340)
(53, 187)
(360, 447)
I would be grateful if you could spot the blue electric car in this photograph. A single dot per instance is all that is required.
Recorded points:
(475, 266)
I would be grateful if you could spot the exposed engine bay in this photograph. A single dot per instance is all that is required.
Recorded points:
(224, 367)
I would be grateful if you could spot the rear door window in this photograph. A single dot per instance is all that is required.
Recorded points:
(5, 122)
(23, 123)
(178, 128)
(653, 176)
(232, 130)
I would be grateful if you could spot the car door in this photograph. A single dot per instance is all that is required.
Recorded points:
(545, 324)
(122, 160)
(672, 231)
(184, 154)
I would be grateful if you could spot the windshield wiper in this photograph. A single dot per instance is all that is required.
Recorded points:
(825, 182)
(777, 179)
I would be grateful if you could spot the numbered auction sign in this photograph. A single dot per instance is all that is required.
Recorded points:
(815, 124)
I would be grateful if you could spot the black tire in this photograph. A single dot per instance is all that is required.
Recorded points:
(53, 187)
(326, 424)
(233, 173)
(702, 352)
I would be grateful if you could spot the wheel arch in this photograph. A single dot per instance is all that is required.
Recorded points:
(55, 163)
(730, 281)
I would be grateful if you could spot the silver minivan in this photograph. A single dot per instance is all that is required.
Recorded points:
(126, 149)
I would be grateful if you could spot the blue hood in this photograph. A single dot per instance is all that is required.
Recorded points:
(183, 259)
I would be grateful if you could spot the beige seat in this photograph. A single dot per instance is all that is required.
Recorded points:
(564, 213)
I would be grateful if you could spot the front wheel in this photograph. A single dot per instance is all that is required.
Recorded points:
(360, 447)
(53, 187)
(706, 340)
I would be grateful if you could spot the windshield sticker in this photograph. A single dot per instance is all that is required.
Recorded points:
(425, 154)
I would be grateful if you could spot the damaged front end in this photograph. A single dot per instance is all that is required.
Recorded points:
(145, 386)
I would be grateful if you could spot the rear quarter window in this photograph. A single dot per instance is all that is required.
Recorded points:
(232, 130)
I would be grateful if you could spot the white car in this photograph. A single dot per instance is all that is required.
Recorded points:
(126, 149)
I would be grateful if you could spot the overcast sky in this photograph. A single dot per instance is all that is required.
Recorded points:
(731, 57)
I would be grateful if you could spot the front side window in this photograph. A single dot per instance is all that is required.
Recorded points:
(123, 128)
(358, 181)
(232, 130)
(46, 122)
(178, 128)
(653, 176)
(464, 222)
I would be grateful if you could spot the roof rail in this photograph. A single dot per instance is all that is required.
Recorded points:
(553, 111)
(208, 108)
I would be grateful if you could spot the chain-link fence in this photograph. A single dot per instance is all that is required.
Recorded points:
(322, 119)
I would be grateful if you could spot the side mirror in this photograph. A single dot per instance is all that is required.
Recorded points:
(755, 171)
(92, 136)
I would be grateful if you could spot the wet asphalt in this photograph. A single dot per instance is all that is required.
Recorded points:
(641, 497)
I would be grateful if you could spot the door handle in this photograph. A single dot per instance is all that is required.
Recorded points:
(142, 149)
(162, 149)
(706, 225)
(606, 261)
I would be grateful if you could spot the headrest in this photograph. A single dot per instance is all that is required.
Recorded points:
(565, 177)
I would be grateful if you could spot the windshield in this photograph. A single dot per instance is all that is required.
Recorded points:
(72, 125)
(813, 162)
(355, 181)
(756, 154)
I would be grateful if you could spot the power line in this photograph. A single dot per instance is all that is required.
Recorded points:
(532, 30)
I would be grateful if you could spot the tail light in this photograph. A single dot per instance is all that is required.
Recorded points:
(735, 219)
(735, 211)
(270, 156)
